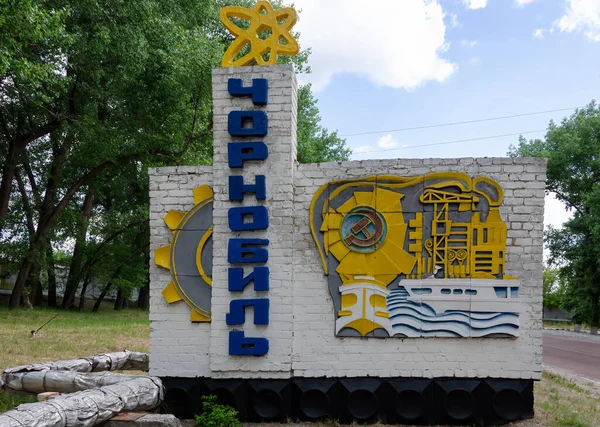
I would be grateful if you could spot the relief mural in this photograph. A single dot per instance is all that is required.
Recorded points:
(416, 257)
(189, 256)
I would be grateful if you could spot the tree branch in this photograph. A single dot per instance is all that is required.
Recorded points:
(40, 131)
(119, 161)
(568, 200)
(5, 127)
(26, 205)
(32, 182)
(87, 266)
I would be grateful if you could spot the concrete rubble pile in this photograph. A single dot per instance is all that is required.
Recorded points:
(96, 395)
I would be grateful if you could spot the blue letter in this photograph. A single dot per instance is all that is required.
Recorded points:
(239, 152)
(237, 311)
(259, 90)
(260, 123)
(237, 188)
(242, 346)
(258, 214)
(237, 281)
(243, 251)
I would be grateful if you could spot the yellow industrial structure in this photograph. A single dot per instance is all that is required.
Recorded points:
(457, 249)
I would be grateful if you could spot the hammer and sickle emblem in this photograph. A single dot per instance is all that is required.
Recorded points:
(362, 235)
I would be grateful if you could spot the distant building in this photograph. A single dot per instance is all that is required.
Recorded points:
(8, 276)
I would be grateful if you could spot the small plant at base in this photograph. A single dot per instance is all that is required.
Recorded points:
(216, 415)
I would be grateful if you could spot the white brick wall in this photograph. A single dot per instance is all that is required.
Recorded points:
(317, 352)
(278, 170)
(178, 347)
(301, 333)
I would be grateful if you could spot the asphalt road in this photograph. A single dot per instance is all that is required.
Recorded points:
(578, 355)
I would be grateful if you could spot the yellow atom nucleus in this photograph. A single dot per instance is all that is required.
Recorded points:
(276, 24)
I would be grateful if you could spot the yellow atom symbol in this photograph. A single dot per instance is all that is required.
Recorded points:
(262, 17)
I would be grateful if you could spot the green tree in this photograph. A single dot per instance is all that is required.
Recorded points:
(93, 93)
(134, 89)
(315, 143)
(554, 288)
(32, 39)
(573, 151)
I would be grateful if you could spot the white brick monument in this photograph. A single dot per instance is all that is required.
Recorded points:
(408, 290)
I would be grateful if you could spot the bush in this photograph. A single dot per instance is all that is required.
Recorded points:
(216, 415)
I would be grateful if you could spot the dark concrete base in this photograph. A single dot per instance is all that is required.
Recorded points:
(391, 400)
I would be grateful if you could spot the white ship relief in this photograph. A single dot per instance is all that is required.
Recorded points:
(455, 308)
(437, 307)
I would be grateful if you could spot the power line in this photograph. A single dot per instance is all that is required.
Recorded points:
(489, 119)
(452, 142)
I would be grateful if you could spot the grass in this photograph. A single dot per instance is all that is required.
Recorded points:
(559, 402)
(561, 325)
(70, 335)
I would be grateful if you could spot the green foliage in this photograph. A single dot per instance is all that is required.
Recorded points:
(216, 415)
(315, 143)
(573, 151)
(554, 288)
(95, 92)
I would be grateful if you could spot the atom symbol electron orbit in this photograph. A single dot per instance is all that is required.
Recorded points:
(262, 17)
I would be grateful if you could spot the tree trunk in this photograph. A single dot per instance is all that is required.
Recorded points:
(86, 282)
(26, 205)
(144, 295)
(8, 174)
(35, 248)
(144, 298)
(51, 274)
(47, 215)
(36, 296)
(119, 300)
(15, 148)
(102, 296)
(36, 293)
(76, 261)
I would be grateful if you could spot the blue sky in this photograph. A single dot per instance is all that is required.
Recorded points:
(408, 63)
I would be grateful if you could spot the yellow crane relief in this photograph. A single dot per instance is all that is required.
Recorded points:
(472, 249)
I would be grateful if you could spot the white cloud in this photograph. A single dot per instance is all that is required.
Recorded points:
(581, 16)
(362, 149)
(475, 4)
(539, 33)
(522, 3)
(387, 141)
(394, 43)
(555, 213)
(468, 43)
(454, 23)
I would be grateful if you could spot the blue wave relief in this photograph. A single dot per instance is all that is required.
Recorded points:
(411, 319)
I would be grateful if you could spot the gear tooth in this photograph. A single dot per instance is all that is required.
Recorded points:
(162, 256)
(170, 293)
(196, 317)
(173, 219)
(202, 193)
